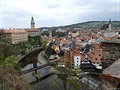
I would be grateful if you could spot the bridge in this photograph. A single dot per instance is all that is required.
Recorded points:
(39, 67)
(41, 78)
(19, 58)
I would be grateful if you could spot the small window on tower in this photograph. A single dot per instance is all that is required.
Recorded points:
(77, 58)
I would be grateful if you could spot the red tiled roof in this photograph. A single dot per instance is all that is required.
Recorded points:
(95, 55)
(31, 30)
(14, 31)
(64, 41)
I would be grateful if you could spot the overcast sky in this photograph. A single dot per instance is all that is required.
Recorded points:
(18, 13)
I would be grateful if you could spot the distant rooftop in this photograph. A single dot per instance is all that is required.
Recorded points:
(112, 41)
(104, 27)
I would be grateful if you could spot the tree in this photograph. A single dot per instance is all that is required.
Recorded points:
(45, 33)
(10, 80)
(36, 40)
(7, 49)
(44, 42)
(10, 61)
(68, 77)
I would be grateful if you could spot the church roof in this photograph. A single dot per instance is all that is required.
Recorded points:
(104, 27)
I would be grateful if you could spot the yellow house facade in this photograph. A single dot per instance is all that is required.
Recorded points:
(15, 36)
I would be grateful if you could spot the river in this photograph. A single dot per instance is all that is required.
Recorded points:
(47, 83)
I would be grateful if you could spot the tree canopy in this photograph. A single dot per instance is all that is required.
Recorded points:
(67, 75)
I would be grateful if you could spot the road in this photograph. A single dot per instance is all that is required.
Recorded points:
(40, 59)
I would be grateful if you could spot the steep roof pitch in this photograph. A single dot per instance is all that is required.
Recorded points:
(95, 55)
(86, 49)
(113, 70)
(64, 42)
(104, 27)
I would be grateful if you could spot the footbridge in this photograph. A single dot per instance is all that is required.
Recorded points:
(39, 67)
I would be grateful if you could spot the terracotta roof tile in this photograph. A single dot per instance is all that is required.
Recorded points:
(95, 55)
(14, 31)
(64, 41)
(31, 30)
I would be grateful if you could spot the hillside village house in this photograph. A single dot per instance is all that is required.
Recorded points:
(63, 41)
(90, 55)
(15, 36)
(74, 57)
(109, 32)
(75, 33)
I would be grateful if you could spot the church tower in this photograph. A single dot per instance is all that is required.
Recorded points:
(32, 23)
(109, 25)
(50, 34)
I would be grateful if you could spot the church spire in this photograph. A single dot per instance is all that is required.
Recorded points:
(109, 21)
(32, 23)
(50, 34)
(109, 25)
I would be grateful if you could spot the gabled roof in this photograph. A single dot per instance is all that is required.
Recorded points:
(96, 46)
(112, 41)
(49, 51)
(89, 65)
(86, 60)
(64, 42)
(104, 27)
(31, 29)
(77, 39)
(14, 31)
(61, 53)
(113, 70)
(86, 49)
(95, 55)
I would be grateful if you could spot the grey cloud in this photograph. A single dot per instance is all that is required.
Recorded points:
(60, 12)
(53, 6)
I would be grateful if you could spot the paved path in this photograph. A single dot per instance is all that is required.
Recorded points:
(40, 59)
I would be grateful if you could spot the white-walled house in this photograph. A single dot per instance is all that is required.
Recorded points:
(77, 61)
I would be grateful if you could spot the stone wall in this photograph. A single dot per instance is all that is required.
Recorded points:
(111, 52)
(107, 85)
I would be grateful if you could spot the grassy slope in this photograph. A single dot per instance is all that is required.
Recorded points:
(87, 25)
(94, 24)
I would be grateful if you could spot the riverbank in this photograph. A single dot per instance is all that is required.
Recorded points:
(20, 57)
(42, 60)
